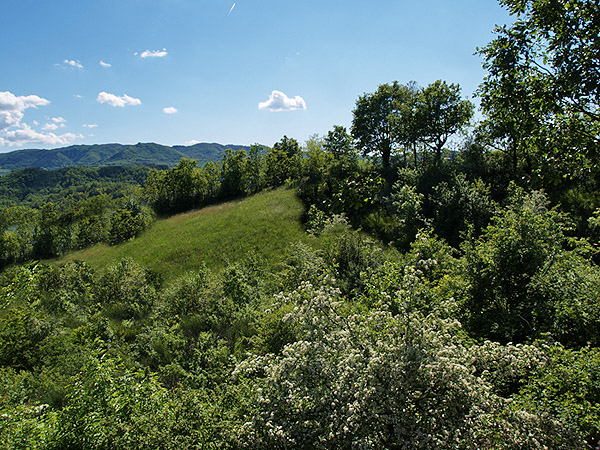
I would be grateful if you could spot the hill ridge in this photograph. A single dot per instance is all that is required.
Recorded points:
(113, 154)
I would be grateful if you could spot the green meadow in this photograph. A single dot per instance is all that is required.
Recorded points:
(264, 224)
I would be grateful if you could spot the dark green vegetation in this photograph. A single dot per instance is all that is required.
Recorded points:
(34, 187)
(141, 154)
(436, 299)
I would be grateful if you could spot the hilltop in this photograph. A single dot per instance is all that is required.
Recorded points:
(101, 155)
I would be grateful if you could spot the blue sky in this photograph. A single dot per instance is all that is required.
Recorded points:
(177, 72)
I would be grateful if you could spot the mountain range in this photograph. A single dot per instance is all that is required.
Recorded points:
(100, 155)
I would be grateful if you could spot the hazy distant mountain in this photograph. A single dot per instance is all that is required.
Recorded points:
(100, 155)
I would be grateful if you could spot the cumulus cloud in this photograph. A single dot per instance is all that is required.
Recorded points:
(278, 101)
(13, 132)
(193, 142)
(12, 108)
(105, 64)
(89, 125)
(26, 135)
(72, 63)
(55, 124)
(115, 100)
(170, 110)
(154, 53)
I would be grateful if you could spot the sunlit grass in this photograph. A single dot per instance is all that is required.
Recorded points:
(265, 224)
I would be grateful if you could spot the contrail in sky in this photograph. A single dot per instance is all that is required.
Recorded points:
(232, 6)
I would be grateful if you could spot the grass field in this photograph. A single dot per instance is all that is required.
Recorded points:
(265, 224)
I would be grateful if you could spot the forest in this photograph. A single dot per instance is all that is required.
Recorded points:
(445, 295)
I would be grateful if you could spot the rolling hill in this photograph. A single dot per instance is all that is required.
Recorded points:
(99, 155)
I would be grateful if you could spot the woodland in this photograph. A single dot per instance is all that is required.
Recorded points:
(442, 290)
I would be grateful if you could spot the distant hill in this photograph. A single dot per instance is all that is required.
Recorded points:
(101, 155)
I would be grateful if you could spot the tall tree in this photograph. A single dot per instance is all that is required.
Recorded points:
(283, 162)
(440, 113)
(406, 128)
(542, 92)
(372, 125)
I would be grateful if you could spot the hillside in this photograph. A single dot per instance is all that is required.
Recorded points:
(265, 224)
(100, 155)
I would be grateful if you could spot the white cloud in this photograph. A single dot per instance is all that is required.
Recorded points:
(170, 110)
(89, 125)
(26, 135)
(57, 122)
(13, 132)
(12, 108)
(115, 100)
(153, 53)
(72, 63)
(105, 64)
(278, 101)
(232, 6)
(193, 142)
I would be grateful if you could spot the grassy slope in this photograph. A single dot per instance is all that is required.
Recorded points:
(266, 223)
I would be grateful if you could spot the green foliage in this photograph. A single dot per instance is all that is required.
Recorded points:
(568, 388)
(244, 281)
(126, 291)
(407, 207)
(541, 93)
(459, 206)
(128, 221)
(179, 189)
(377, 381)
(440, 113)
(110, 406)
(523, 280)
(351, 254)
(234, 174)
(21, 333)
(283, 162)
(405, 115)
(17, 225)
(66, 291)
(34, 187)
(371, 123)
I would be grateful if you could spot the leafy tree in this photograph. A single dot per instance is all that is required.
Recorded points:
(234, 173)
(255, 169)
(17, 228)
(371, 123)
(52, 233)
(22, 332)
(179, 189)
(440, 113)
(338, 142)
(524, 282)
(111, 406)
(404, 115)
(541, 94)
(283, 162)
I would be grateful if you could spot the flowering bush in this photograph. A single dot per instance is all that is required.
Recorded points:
(374, 380)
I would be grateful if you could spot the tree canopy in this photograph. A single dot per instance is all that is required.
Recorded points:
(541, 96)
